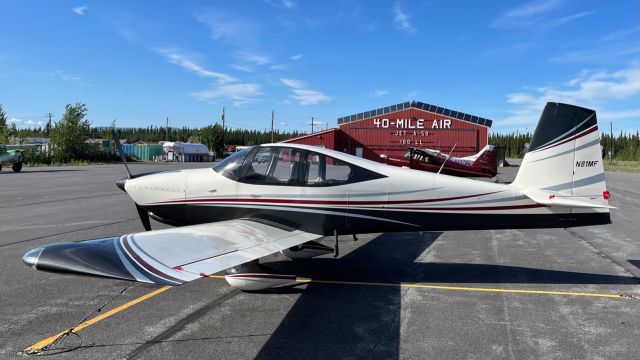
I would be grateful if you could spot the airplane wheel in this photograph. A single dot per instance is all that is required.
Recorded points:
(17, 167)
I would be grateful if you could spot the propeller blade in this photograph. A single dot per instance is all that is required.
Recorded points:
(116, 139)
(144, 217)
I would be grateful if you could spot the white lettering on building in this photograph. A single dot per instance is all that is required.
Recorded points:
(441, 124)
(410, 123)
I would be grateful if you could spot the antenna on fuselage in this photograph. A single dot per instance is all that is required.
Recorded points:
(448, 156)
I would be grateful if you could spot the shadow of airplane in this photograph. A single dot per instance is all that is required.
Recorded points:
(360, 322)
(635, 263)
(363, 322)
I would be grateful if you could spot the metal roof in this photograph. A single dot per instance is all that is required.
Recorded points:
(418, 105)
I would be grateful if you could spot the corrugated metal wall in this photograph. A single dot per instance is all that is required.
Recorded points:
(325, 138)
(147, 151)
(393, 133)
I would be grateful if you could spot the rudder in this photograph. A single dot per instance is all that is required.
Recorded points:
(564, 156)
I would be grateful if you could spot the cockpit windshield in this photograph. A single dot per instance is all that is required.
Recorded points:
(230, 166)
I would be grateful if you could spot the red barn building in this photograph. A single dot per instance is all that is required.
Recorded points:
(391, 130)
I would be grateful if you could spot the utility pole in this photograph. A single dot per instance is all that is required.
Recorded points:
(611, 142)
(223, 131)
(312, 124)
(50, 115)
(272, 115)
(166, 130)
(49, 128)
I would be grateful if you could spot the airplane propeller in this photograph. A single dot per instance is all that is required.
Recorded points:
(142, 213)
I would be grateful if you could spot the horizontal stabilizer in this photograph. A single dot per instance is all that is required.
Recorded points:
(552, 198)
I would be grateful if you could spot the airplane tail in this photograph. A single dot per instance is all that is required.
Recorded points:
(563, 166)
(487, 160)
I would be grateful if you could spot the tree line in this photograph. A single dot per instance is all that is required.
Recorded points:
(68, 136)
(624, 146)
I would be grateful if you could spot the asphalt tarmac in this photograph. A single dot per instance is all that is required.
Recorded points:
(508, 294)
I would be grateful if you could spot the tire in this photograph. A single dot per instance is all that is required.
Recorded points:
(17, 166)
(0, 167)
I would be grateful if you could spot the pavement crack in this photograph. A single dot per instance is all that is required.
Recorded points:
(181, 324)
(65, 232)
(505, 308)
(623, 264)
(65, 199)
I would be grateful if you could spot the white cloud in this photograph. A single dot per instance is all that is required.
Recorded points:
(296, 57)
(604, 54)
(225, 87)
(253, 58)
(621, 33)
(237, 93)
(303, 95)
(240, 33)
(80, 10)
(564, 19)
(378, 93)
(243, 68)
(401, 20)
(411, 95)
(70, 77)
(526, 14)
(296, 84)
(26, 122)
(593, 89)
(289, 4)
(186, 61)
(619, 115)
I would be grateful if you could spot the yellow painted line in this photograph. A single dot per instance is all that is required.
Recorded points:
(41, 344)
(453, 288)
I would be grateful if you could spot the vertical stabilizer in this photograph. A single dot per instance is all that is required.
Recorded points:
(564, 156)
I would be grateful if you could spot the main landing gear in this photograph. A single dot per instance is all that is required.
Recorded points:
(253, 276)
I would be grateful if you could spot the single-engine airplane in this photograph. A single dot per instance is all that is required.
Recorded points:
(13, 157)
(482, 164)
(243, 209)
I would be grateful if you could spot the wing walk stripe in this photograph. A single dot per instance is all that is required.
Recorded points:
(127, 263)
(146, 265)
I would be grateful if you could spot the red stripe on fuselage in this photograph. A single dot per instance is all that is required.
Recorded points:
(471, 208)
(323, 202)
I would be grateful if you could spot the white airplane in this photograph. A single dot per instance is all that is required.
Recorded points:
(245, 208)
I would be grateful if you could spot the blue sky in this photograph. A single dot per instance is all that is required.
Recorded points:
(142, 61)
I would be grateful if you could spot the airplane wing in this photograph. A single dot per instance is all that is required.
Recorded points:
(171, 256)
(552, 198)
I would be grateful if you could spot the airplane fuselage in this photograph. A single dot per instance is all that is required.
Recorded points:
(383, 199)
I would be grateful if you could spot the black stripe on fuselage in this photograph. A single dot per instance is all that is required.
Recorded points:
(323, 221)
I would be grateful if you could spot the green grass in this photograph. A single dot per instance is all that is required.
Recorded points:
(622, 165)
